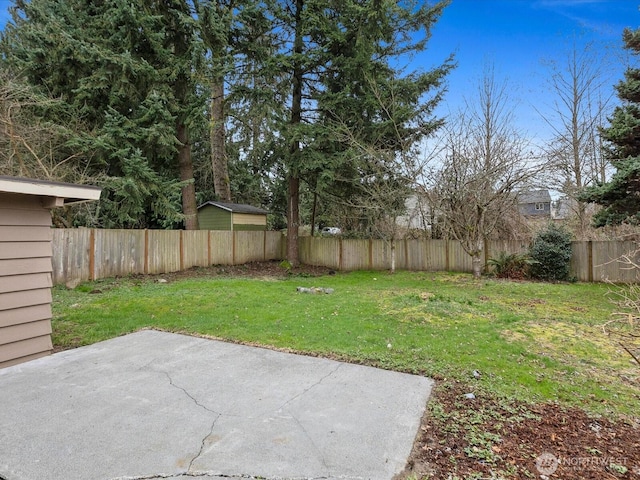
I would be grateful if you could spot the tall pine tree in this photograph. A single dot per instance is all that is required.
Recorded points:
(126, 67)
(620, 197)
(340, 56)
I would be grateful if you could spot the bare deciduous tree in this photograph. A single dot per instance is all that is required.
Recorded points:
(483, 162)
(582, 95)
(31, 147)
(624, 327)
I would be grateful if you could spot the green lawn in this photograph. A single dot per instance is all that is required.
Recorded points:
(529, 341)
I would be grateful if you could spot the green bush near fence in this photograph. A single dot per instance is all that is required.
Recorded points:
(551, 254)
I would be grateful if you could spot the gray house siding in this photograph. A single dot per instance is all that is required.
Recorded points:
(535, 203)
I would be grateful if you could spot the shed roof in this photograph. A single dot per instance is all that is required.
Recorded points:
(68, 192)
(534, 196)
(236, 208)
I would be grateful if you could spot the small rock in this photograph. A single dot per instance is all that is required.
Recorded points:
(469, 396)
(314, 290)
(163, 280)
(389, 345)
(477, 374)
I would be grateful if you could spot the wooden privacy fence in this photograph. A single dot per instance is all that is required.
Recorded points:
(420, 255)
(90, 254)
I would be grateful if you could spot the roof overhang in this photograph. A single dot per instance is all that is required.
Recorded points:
(236, 208)
(57, 194)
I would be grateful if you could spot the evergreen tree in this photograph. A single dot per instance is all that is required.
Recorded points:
(126, 67)
(340, 56)
(620, 197)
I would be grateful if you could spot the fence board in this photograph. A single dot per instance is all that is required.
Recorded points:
(195, 248)
(164, 251)
(606, 258)
(436, 255)
(493, 248)
(580, 267)
(118, 252)
(380, 255)
(416, 255)
(70, 259)
(249, 247)
(221, 245)
(273, 245)
(459, 260)
(320, 251)
(401, 255)
(355, 254)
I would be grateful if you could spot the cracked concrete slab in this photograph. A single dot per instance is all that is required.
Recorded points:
(155, 405)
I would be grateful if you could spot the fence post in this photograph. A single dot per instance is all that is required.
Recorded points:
(340, 254)
(370, 254)
(209, 247)
(406, 256)
(233, 247)
(264, 246)
(486, 253)
(92, 254)
(447, 265)
(590, 260)
(146, 251)
(181, 250)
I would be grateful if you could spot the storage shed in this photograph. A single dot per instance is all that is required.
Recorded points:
(231, 216)
(25, 263)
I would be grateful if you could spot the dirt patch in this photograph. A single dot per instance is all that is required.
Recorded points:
(482, 437)
(258, 270)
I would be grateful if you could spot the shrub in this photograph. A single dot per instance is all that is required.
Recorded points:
(551, 253)
(511, 265)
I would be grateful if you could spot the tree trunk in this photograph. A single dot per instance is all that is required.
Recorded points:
(476, 263)
(181, 89)
(189, 207)
(293, 221)
(221, 182)
(293, 215)
(313, 214)
(393, 255)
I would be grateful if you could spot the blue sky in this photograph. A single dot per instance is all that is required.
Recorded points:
(516, 36)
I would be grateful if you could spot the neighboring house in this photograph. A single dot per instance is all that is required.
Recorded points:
(563, 208)
(535, 203)
(25, 263)
(231, 216)
(417, 215)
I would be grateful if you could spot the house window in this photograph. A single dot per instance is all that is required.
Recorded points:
(540, 206)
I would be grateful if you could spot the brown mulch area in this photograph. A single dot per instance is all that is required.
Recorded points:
(481, 437)
(250, 270)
